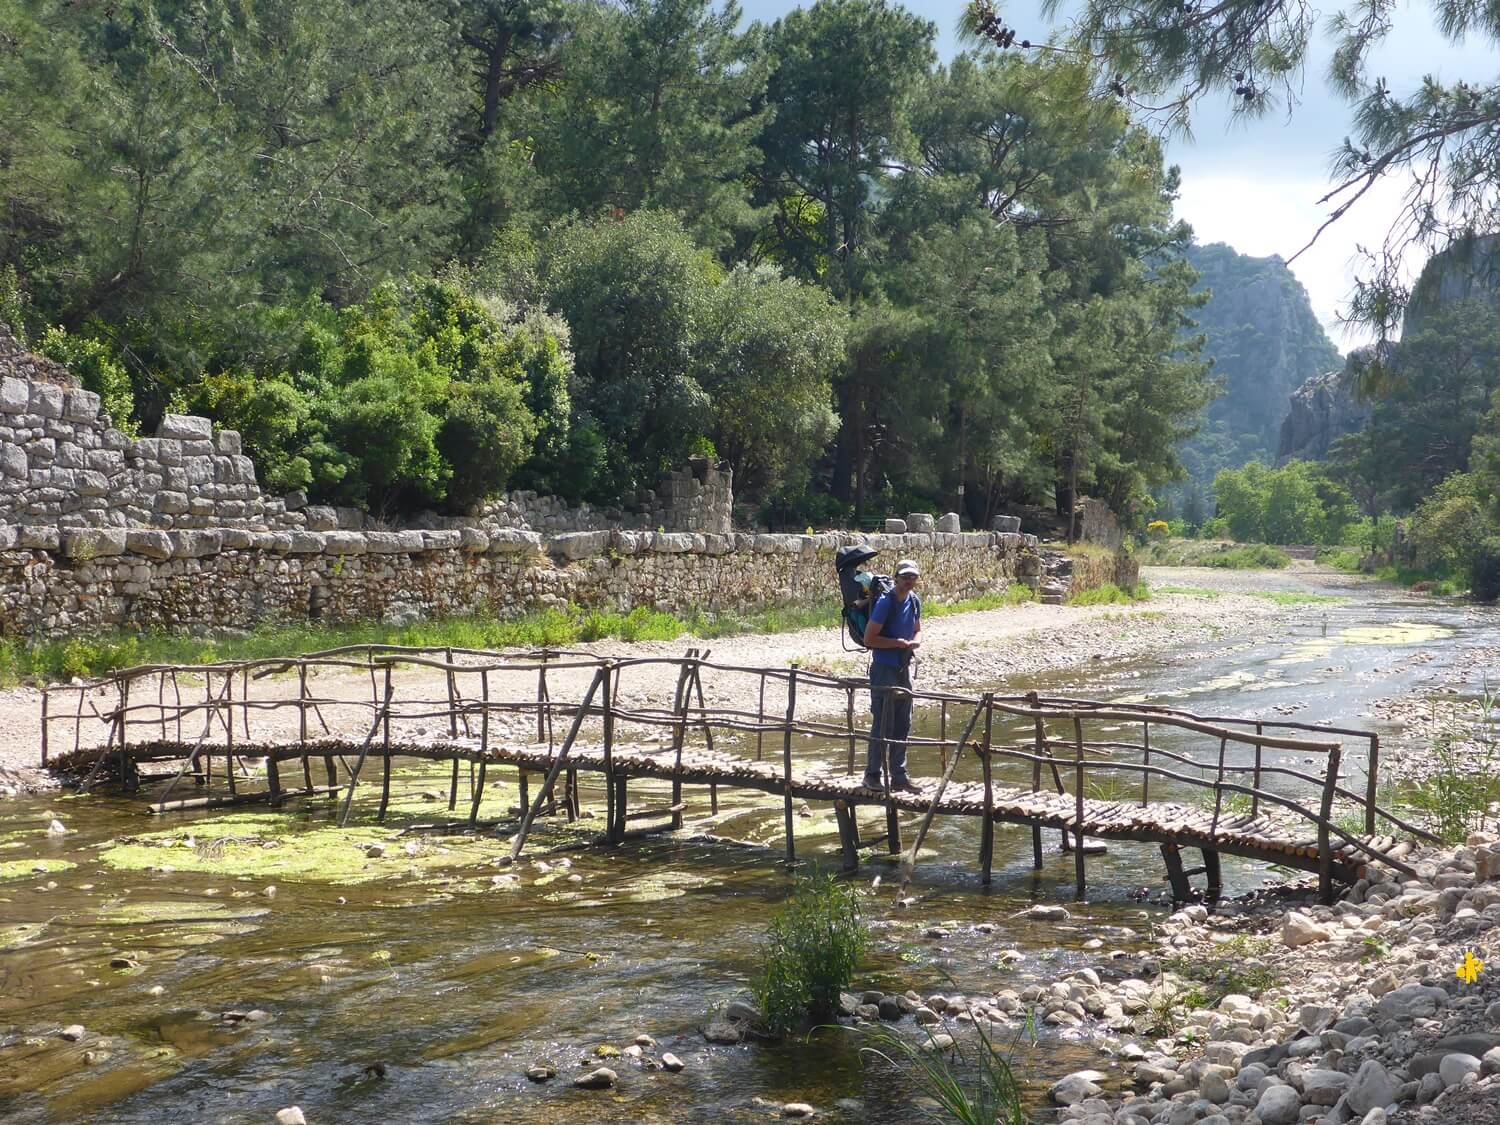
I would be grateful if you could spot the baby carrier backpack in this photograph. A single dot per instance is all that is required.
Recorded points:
(858, 589)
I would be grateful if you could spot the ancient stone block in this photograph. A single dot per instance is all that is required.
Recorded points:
(84, 543)
(200, 471)
(80, 405)
(578, 544)
(383, 542)
(41, 451)
(514, 540)
(90, 483)
(38, 538)
(920, 522)
(895, 527)
(196, 544)
(344, 543)
(15, 396)
(474, 539)
(13, 462)
(1006, 524)
(192, 449)
(350, 519)
(671, 542)
(321, 518)
(185, 427)
(46, 401)
(227, 442)
(441, 540)
(949, 522)
(170, 503)
(107, 461)
(152, 544)
(236, 538)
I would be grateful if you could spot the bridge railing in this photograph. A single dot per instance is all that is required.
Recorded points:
(471, 698)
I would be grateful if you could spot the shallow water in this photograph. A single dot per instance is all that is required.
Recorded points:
(449, 977)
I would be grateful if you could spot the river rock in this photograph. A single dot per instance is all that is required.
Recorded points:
(600, 1079)
(1040, 913)
(1372, 1087)
(1299, 929)
(541, 1072)
(742, 1012)
(797, 1109)
(291, 1115)
(1076, 1087)
(890, 1008)
(1412, 1001)
(1490, 1063)
(1278, 1105)
(73, 1032)
(1455, 1068)
(671, 1062)
(1323, 1087)
(942, 1041)
(722, 1031)
(57, 828)
(1376, 1116)
(1213, 1088)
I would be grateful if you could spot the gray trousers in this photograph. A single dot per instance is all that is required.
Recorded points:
(890, 722)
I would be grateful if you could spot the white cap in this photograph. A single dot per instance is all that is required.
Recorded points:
(907, 566)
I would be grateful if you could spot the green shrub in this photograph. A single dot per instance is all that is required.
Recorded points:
(813, 947)
(1109, 594)
(1255, 556)
(981, 1091)
(1484, 570)
(1341, 558)
(98, 369)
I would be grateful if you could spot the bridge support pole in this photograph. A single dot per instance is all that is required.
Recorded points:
(615, 833)
(1214, 871)
(848, 835)
(1181, 890)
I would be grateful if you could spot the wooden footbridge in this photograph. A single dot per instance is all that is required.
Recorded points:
(1270, 791)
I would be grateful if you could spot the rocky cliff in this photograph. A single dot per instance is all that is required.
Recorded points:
(1320, 411)
(1265, 343)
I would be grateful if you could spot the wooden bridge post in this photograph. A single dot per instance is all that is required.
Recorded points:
(1213, 828)
(848, 835)
(484, 747)
(611, 813)
(1078, 857)
(849, 725)
(708, 731)
(302, 725)
(1215, 873)
(786, 763)
(1325, 850)
(385, 757)
(229, 727)
(1036, 787)
(679, 736)
(1260, 729)
(1372, 782)
(943, 736)
(760, 721)
(1146, 762)
(1176, 876)
(46, 696)
(987, 831)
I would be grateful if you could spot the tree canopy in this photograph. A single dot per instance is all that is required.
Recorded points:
(420, 253)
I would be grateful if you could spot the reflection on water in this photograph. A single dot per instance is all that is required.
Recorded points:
(225, 966)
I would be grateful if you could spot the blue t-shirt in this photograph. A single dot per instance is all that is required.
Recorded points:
(897, 619)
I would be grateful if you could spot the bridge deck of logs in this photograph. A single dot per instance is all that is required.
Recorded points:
(1270, 791)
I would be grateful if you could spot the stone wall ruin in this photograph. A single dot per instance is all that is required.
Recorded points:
(99, 530)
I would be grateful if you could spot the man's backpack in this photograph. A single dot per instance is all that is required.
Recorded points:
(858, 589)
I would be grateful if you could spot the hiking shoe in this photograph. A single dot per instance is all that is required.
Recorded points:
(907, 786)
(875, 785)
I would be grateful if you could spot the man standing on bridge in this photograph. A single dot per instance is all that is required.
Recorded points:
(893, 635)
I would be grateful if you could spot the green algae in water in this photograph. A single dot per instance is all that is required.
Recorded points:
(21, 868)
(272, 847)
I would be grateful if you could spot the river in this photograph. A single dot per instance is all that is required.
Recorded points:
(425, 990)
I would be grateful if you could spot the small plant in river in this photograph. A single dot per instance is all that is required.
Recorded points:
(977, 1090)
(814, 945)
(1235, 966)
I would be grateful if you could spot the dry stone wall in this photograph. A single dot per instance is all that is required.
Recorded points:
(99, 530)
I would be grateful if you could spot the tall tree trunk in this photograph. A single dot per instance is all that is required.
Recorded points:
(494, 73)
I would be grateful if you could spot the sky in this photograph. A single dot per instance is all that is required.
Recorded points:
(1255, 185)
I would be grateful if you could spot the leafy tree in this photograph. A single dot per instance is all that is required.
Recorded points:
(657, 112)
(636, 293)
(1296, 503)
(771, 346)
(843, 74)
